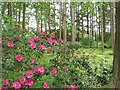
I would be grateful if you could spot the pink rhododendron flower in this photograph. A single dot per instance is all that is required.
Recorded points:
(18, 38)
(17, 85)
(31, 40)
(52, 36)
(28, 66)
(10, 44)
(36, 38)
(54, 71)
(35, 69)
(54, 42)
(4, 88)
(41, 47)
(9, 39)
(42, 33)
(5, 82)
(22, 80)
(41, 70)
(18, 57)
(32, 60)
(65, 69)
(29, 74)
(73, 87)
(0, 40)
(24, 28)
(29, 82)
(40, 39)
(60, 39)
(33, 45)
(11, 86)
(46, 85)
(44, 40)
(50, 49)
(50, 41)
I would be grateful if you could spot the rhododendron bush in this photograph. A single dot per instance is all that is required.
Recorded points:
(40, 60)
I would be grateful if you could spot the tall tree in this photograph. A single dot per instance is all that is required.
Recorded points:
(24, 9)
(19, 12)
(116, 63)
(112, 20)
(60, 20)
(3, 8)
(64, 22)
(103, 26)
(73, 24)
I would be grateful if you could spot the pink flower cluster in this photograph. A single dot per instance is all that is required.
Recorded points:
(22, 82)
(18, 57)
(38, 69)
(73, 87)
(43, 34)
(10, 44)
(54, 71)
(0, 40)
(41, 47)
(52, 41)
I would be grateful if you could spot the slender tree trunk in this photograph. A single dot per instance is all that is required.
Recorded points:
(49, 18)
(73, 26)
(54, 17)
(16, 15)
(82, 32)
(103, 31)
(3, 8)
(64, 22)
(116, 63)
(112, 23)
(60, 32)
(87, 21)
(19, 13)
(38, 28)
(10, 9)
(96, 34)
(24, 8)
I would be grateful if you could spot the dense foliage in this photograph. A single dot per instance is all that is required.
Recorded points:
(39, 60)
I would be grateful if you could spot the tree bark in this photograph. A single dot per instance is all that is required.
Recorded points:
(116, 63)
(103, 31)
(112, 20)
(3, 8)
(73, 25)
(103, 22)
(60, 32)
(64, 22)
(24, 8)
(19, 13)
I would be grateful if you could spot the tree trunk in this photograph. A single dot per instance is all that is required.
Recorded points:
(60, 32)
(24, 8)
(103, 31)
(3, 8)
(73, 25)
(87, 21)
(116, 63)
(54, 17)
(49, 18)
(112, 20)
(10, 9)
(36, 16)
(64, 22)
(19, 13)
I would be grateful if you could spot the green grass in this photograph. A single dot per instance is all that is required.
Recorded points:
(97, 54)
